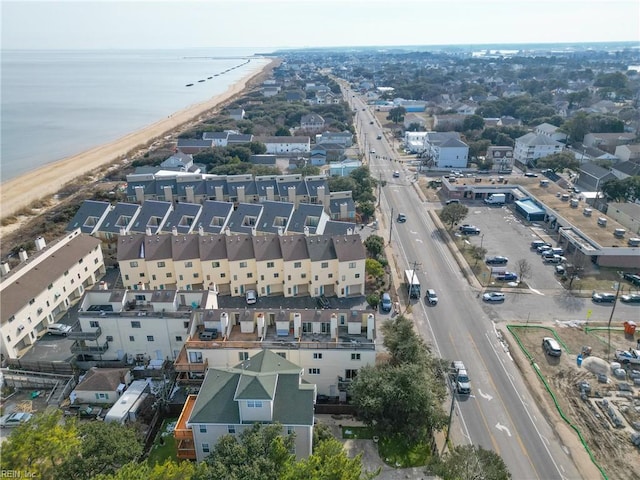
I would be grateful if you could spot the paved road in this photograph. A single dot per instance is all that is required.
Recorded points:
(500, 414)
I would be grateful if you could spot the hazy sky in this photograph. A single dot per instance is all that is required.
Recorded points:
(270, 24)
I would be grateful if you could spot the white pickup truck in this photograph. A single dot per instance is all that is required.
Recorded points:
(628, 356)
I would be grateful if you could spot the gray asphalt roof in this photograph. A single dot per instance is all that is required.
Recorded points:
(121, 215)
(266, 247)
(153, 214)
(214, 216)
(212, 247)
(239, 247)
(185, 247)
(184, 217)
(275, 215)
(35, 280)
(242, 217)
(349, 247)
(306, 214)
(333, 227)
(293, 247)
(89, 216)
(321, 248)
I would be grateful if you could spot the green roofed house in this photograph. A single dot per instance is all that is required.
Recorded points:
(265, 388)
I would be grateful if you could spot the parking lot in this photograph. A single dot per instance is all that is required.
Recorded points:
(503, 233)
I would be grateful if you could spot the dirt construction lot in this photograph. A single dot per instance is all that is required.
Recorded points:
(607, 415)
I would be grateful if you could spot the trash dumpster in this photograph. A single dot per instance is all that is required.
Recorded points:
(630, 328)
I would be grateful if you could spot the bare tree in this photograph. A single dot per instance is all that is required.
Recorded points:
(524, 269)
(477, 253)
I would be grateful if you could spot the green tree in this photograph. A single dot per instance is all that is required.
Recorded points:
(374, 245)
(282, 132)
(373, 268)
(453, 213)
(40, 445)
(472, 122)
(396, 114)
(367, 209)
(403, 344)
(627, 189)
(328, 461)
(306, 170)
(373, 300)
(105, 448)
(399, 400)
(169, 470)
(471, 462)
(259, 452)
(576, 127)
(558, 162)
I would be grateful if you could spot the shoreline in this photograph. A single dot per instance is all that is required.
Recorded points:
(22, 191)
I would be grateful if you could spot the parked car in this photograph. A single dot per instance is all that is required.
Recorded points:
(601, 297)
(497, 260)
(634, 278)
(59, 329)
(543, 248)
(554, 259)
(630, 298)
(386, 304)
(539, 243)
(551, 347)
(560, 270)
(453, 200)
(469, 230)
(402, 218)
(14, 419)
(251, 296)
(396, 174)
(507, 277)
(530, 174)
(493, 297)
(432, 297)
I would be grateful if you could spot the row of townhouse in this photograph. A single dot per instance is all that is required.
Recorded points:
(106, 221)
(284, 145)
(288, 265)
(40, 289)
(144, 325)
(244, 188)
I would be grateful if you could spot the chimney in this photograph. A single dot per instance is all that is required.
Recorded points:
(270, 195)
(280, 231)
(189, 193)
(174, 231)
(148, 231)
(320, 194)
(306, 231)
(241, 195)
(201, 231)
(349, 231)
(23, 255)
(168, 194)
(123, 231)
(40, 243)
(4, 268)
(139, 189)
(227, 231)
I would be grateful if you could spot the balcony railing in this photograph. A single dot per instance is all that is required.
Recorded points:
(186, 450)
(191, 367)
(92, 335)
(80, 347)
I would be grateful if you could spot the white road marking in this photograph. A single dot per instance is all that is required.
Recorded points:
(503, 428)
(486, 396)
(537, 292)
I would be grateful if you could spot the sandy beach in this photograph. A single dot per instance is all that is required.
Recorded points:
(20, 192)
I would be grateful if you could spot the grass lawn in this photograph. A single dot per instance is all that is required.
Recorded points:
(396, 453)
(165, 446)
(357, 433)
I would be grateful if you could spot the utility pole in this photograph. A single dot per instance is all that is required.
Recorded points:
(379, 189)
(613, 309)
(453, 402)
(390, 225)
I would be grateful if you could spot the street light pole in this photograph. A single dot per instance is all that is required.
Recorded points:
(453, 402)
(613, 309)
(390, 225)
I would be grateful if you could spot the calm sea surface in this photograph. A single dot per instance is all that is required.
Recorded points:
(58, 103)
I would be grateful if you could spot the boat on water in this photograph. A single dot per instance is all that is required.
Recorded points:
(209, 78)
(189, 85)
(200, 80)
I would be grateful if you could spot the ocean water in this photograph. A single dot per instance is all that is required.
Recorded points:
(59, 103)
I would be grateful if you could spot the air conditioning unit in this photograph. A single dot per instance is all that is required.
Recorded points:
(20, 328)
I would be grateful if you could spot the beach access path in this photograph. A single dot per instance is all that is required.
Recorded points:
(20, 192)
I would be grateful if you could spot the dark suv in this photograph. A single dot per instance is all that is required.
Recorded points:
(497, 260)
(469, 230)
(323, 302)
